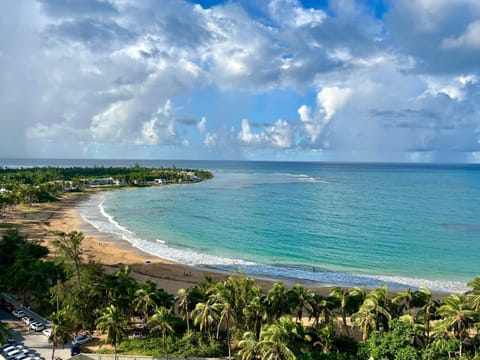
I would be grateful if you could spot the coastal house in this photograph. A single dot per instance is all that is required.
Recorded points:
(102, 181)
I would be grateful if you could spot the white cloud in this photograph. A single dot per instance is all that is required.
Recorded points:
(292, 13)
(469, 39)
(101, 73)
(455, 88)
(332, 99)
(160, 129)
(329, 100)
(201, 125)
(108, 126)
(210, 140)
(279, 135)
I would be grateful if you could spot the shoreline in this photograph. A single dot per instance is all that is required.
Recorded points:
(111, 251)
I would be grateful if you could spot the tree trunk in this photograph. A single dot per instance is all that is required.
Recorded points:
(344, 319)
(53, 352)
(228, 337)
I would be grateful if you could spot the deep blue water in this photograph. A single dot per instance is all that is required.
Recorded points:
(352, 224)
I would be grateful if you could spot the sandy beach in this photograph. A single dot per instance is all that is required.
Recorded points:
(40, 220)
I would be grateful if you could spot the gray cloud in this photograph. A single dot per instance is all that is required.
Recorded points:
(421, 29)
(93, 33)
(101, 73)
(75, 8)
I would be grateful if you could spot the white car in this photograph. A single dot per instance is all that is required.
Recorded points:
(27, 320)
(22, 355)
(6, 349)
(37, 326)
(47, 332)
(81, 339)
(11, 354)
(15, 350)
(18, 313)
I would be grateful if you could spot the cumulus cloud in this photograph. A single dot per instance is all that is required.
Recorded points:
(106, 73)
(279, 135)
(160, 129)
(292, 13)
(329, 101)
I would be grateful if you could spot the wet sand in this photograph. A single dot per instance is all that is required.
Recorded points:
(40, 220)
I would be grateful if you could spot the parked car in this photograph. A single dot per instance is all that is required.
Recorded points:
(11, 354)
(27, 320)
(37, 326)
(81, 339)
(16, 349)
(22, 355)
(18, 313)
(8, 348)
(7, 305)
(47, 332)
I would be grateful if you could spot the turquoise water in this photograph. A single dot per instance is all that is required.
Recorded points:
(407, 225)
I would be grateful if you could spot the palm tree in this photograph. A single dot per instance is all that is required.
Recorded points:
(60, 326)
(474, 294)
(302, 298)
(145, 300)
(161, 321)
(404, 299)
(4, 332)
(379, 299)
(255, 313)
(343, 297)
(204, 315)
(121, 289)
(276, 338)
(114, 323)
(249, 348)
(184, 304)
(278, 300)
(458, 316)
(223, 299)
(428, 307)
(322, 306)
(372, 313)
(365, 320)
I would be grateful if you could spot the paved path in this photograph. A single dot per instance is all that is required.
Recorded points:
(35, 341)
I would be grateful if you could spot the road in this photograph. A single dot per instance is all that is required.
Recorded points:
(35, 341)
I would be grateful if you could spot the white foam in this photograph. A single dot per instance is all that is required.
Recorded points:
(301, 178)
(104, 222)
(111, 219)
(434, 285)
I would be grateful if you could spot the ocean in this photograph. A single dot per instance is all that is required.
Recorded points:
(406, 225)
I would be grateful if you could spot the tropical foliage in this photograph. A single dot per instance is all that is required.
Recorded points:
(42, 184)
(234, 317)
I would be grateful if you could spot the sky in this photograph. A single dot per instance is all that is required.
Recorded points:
(311, 80)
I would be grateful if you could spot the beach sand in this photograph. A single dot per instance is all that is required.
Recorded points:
(40, 220)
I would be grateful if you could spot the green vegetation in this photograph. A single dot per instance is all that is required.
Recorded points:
(43, 184)
(233, 317)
